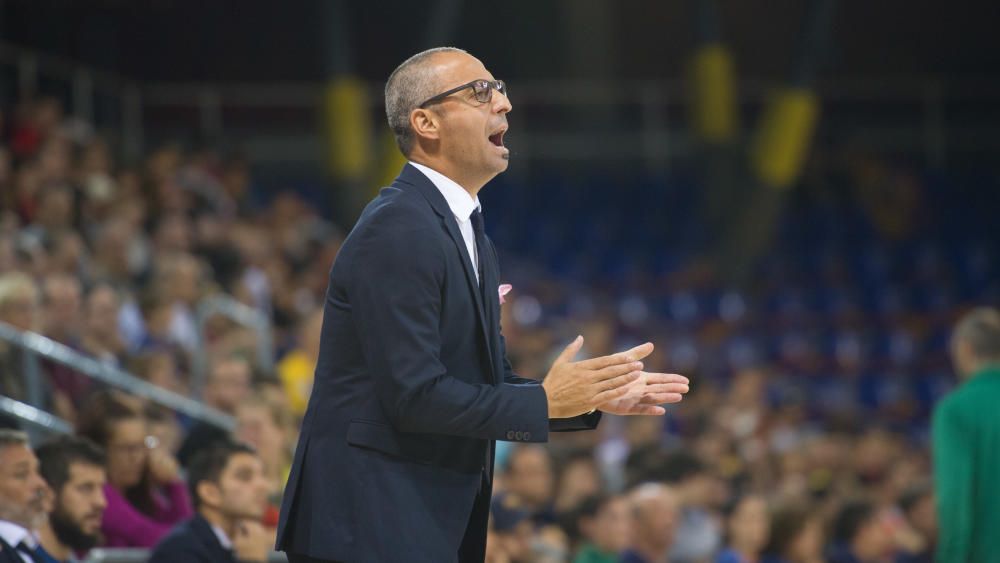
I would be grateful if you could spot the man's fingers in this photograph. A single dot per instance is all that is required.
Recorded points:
(571, 350)
(615, 371)
(666, 378)
(661, 398)
(648, 410)
(637, 353)
(620, 381)
(665, 388)
(610, 395)
(614, 388)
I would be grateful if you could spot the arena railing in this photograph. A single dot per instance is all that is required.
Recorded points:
(39, 423)
(133, 555)
(37, 347)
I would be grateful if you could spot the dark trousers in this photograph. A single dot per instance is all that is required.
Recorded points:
(473, 548)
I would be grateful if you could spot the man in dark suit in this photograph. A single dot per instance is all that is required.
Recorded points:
(22, 499)
(229, 491)
(412, 387)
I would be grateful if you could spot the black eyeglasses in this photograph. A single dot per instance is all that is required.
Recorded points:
(483, 89)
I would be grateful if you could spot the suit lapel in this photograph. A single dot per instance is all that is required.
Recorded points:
(422, 183)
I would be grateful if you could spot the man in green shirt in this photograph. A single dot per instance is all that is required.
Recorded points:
(966, 449)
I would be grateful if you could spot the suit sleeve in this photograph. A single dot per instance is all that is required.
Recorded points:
(395, 294)
(582, 422)
(953, 471)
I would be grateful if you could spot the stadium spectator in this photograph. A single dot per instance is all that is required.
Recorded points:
(62, 296)
(919, 509)
(22, 499)
(511, 529)
(796, 535)
(20, 307)
(966, 448)
(530, 480)
(605, 526)
(74, 470)
(229, 490)
(579, 479)
(296, 368)
(226, 387)
(748, 531)
(699, 529)
(101, 337)
(655, 512)
(266, 426)
(860, 535)
(145, 493)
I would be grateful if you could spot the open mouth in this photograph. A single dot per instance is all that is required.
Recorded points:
(497, 138)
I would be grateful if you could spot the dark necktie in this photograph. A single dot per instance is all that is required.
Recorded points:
(479, 230)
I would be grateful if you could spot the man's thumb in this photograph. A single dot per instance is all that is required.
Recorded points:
(570, 351)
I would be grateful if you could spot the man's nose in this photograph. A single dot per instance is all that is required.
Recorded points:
(501, 103)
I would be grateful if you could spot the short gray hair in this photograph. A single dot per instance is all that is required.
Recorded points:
(10, 437)
(980, 329)
(409, 85)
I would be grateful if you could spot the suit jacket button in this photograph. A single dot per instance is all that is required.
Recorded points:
(517, 435)
(527, 435)
(510, 434)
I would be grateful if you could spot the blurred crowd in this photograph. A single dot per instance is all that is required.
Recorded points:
(783, 451)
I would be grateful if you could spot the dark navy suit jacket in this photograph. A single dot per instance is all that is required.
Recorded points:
(192, 541)
(8, 554)
(412, 388)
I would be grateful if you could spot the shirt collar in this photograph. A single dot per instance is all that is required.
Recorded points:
(14, 534)
(224, 540)
(459, 201)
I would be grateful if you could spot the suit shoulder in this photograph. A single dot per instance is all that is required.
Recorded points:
(181, 539)
(395, 206)
(398, 215)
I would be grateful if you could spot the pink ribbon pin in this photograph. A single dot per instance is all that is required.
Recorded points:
(504, 289)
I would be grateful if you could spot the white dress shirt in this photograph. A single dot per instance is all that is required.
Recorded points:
(461, 203)
(14, 534)
(224, 540)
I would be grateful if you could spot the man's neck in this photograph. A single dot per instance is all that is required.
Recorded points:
(982, 368)
(216, 518)
(445, 168)
(51, 544)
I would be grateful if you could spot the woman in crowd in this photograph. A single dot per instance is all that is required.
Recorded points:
(146, 496)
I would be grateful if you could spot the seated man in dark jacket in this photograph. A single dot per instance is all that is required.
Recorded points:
(229, 491)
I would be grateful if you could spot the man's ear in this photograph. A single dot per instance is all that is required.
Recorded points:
(209, 494)
(425, 123)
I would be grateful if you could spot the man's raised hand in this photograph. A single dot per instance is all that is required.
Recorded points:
(574, 388)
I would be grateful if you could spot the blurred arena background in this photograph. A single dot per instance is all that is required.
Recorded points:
(795, 200)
